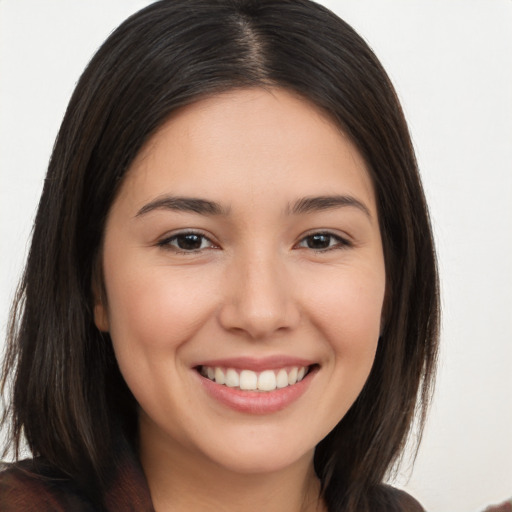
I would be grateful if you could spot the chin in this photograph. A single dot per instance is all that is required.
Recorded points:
(247, 464)
(260, 455)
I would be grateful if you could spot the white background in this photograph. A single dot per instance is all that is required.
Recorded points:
(451, 62)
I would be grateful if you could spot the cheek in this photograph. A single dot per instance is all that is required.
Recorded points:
(155, 308)
(153, 313)
(347, 309)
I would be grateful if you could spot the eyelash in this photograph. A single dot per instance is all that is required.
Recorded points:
(167, 243)
(341, 243)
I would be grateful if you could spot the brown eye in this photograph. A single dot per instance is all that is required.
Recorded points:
(322, 242)
(318, 241)
(187, 242)
(190, 242)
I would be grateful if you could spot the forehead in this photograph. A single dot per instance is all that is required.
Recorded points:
(251, 140)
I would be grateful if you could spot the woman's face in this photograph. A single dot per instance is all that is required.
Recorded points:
(244, 279)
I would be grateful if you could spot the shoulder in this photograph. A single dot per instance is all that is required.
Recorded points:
(401, 501)
(27, 486)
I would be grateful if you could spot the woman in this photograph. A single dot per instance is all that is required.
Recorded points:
(231, 295)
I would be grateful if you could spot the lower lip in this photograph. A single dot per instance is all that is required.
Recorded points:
(257, 402)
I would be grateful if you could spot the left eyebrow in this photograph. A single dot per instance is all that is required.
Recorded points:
(183, 204)
(318, 203)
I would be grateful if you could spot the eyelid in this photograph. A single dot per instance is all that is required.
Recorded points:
(165, 241)
(343, 241)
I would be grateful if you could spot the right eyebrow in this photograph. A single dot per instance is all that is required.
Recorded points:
(318, 203)
(183, 204)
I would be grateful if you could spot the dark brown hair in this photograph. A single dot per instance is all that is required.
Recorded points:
(68, 397)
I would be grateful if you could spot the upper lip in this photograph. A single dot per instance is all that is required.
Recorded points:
(257, 364)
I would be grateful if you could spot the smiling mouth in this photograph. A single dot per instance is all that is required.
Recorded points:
(248, 380)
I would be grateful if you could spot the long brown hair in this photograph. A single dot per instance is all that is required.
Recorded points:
(68, 396)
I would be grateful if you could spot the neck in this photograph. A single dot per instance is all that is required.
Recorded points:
(183, 481)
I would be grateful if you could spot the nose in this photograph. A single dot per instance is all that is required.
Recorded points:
(260, 298)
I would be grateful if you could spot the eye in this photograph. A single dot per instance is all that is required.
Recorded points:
(187, 242)
(323, 242)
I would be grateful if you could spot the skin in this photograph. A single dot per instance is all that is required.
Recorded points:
(254, 288)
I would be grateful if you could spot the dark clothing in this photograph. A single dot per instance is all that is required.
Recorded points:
(27, 487)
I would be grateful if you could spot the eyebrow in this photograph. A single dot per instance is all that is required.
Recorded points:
(183, 204)
(303, 205)
(319, 203)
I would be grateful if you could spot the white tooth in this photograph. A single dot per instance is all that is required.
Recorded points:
(210, 373)
(219, 376)
(248, 380)
(267, 381)
(301, 373)
(232, 378)
(292, 376)
(282, 379)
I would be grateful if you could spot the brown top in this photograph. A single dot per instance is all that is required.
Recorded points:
(27, 486)
(30, 486)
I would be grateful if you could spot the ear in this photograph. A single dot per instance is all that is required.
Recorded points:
(100, 306)
(101, 317)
